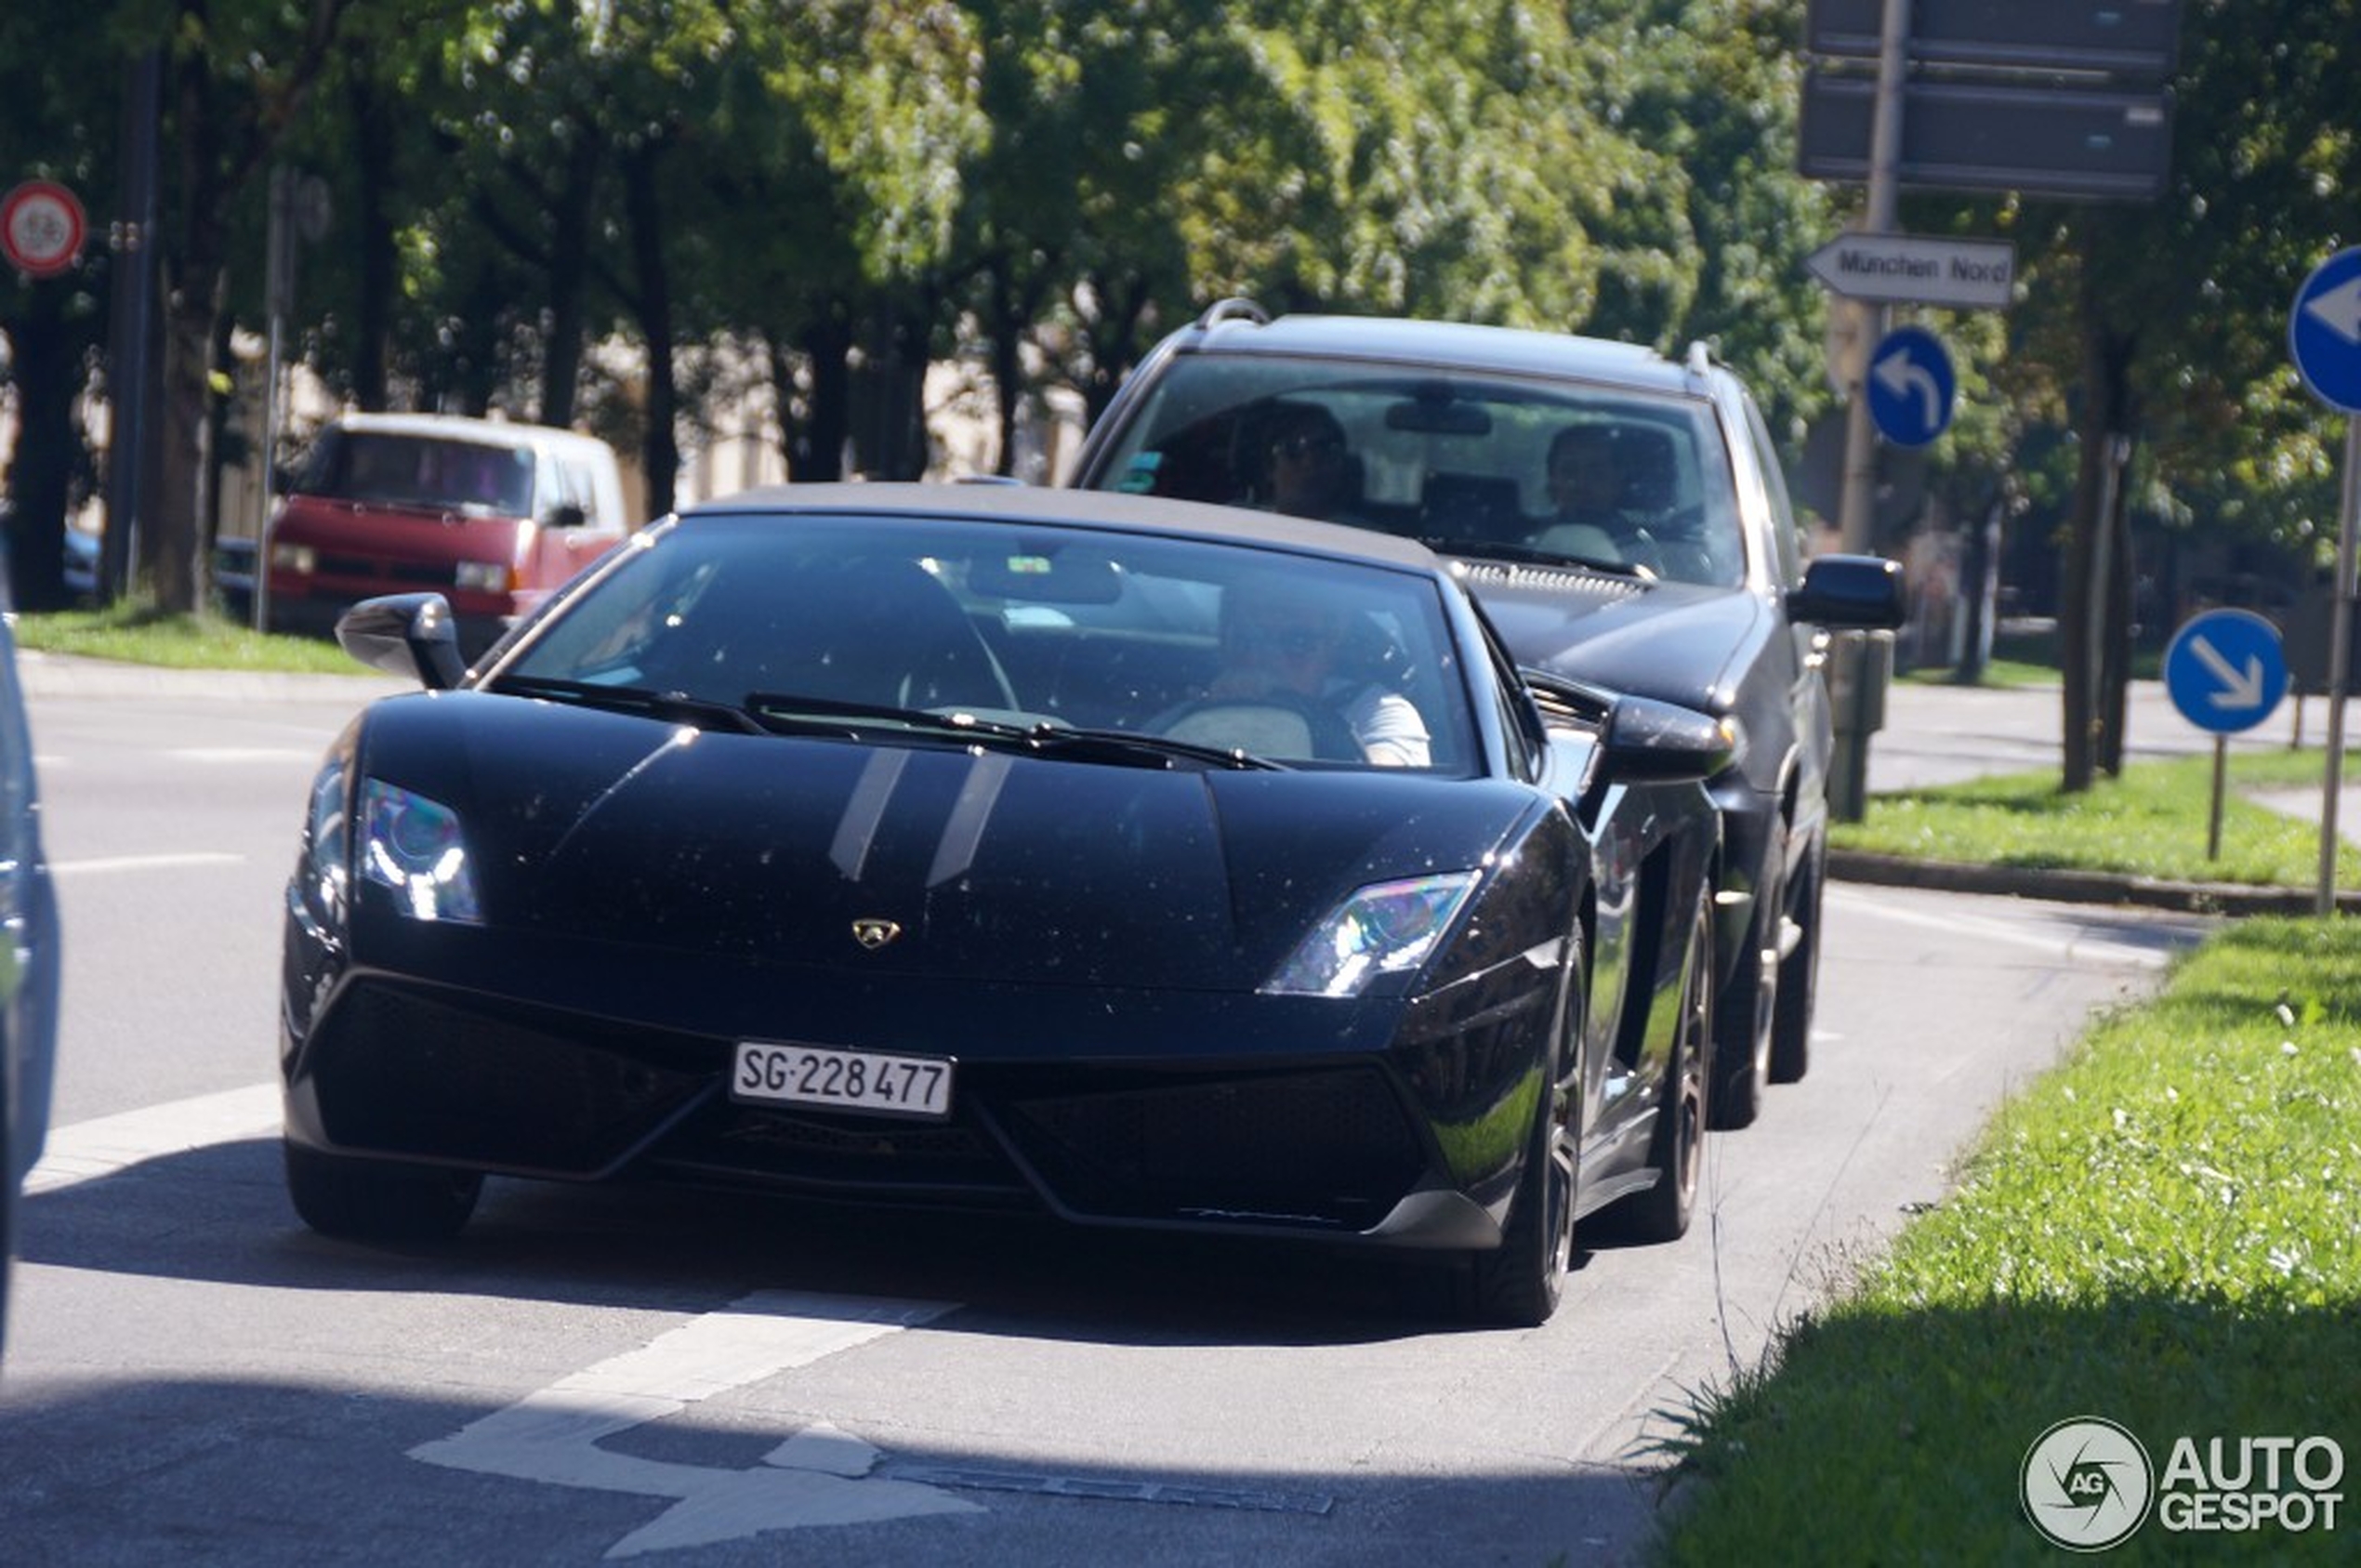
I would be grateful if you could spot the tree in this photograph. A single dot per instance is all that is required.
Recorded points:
(57, 74)
(236, 76)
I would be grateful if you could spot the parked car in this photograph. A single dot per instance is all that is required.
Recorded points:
(493, 515)
(921, 843)
(1623, 518)
(28, 961)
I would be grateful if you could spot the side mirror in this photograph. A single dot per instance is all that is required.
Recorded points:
(411, 635)
(567, 514)
(1664, 743)
(1849, 593)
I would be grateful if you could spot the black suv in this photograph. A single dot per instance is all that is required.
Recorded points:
(1622, 519)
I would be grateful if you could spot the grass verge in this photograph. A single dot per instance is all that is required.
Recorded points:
(142, 634)
(2150, 822)
(2165, 1232)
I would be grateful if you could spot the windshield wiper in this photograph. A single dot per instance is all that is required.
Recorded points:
(1111, 745)
(1045, 737)
(676, 706)
(1527, 555)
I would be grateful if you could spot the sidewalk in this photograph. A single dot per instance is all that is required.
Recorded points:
(1946, 735)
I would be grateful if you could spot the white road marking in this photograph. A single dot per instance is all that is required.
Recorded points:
(87, 1151)
(817, 1476)
(237, 754)
(2066, 946)
(104, 864)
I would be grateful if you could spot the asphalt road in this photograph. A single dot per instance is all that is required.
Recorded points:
(702, 1379)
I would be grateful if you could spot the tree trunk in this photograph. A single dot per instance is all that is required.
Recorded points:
(660, 452)
(2093, 620)
(172, 567)
(815, 442)
(42, 352)
(373, 139)
(569, 262)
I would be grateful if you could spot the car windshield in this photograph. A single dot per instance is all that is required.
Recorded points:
(857, 623)
(396, 469)
(1464, 460)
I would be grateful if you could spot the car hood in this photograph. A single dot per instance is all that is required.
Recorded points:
(992, 867)
(1675, 641)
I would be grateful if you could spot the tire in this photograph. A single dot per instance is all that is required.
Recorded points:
(1800, 975)
(1676, 1150)
(1747, 1022)
(1519, 1283)
(374, 1201)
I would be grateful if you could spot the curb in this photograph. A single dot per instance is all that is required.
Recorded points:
(2080, 886)
(68, 675)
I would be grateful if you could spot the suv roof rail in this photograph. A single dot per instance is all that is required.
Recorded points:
(1234, 308)
(1700, 357)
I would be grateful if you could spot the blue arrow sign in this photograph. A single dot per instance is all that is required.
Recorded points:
(1910, 385)
(2225, 671)
(2324, 331)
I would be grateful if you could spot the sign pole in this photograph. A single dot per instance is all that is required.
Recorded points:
(1857, 507)
(2220, 782)
(2340, 658)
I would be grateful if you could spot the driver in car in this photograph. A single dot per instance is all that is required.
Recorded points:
(1291, 646)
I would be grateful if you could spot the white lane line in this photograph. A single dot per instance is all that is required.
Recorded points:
(87, 1151)
(104, 864)
(2065, 947)
(238, 754)
(817, 1476)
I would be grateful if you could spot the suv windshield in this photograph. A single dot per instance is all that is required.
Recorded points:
(1462, 460)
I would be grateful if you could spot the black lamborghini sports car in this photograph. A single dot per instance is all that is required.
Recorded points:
(1147, 863)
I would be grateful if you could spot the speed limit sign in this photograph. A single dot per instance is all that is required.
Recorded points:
(41, 228)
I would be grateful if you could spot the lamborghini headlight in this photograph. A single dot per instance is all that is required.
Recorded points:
(1383, 928)
(414, 845)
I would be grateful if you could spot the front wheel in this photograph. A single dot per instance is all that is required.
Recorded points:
(1747, 1022)
(375, 1201)
(1798, 973)
(1676, 1150)
(1518, 1285)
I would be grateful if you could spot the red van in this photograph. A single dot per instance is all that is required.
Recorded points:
(491, 514)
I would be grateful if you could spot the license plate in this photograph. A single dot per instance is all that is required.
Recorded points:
(771, 1074)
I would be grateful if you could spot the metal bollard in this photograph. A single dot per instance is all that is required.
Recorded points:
(1860, 668)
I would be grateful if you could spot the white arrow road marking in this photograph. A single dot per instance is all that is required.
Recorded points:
(2239, 689)
(1902, 375)
(818, 1476)
(2338, 309)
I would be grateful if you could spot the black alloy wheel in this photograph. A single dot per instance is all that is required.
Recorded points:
(1519, 1283)
(1799, 972)
(1748, 1024)
(1676, 1150)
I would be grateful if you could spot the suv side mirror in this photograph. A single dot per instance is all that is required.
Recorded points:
(1849, 593)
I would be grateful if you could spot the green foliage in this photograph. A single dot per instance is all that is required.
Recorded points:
(2150, 822)
(2164, 1231)
(140, 634)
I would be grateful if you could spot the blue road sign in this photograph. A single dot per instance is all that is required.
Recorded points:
(2225, 671)
(1911, 387)
(2324, 331)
